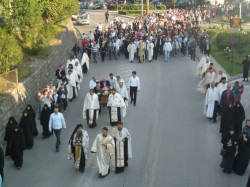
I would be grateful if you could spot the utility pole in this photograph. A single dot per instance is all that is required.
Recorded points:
(240, 9)
(147, 7)
(141, 7)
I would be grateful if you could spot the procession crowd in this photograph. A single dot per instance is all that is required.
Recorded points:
(173, 33)
(225, 100)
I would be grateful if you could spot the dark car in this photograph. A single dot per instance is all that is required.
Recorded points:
(182, 5)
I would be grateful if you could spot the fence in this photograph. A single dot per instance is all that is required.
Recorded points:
(8, 81)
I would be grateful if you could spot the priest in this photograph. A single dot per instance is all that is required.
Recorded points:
(131, 49)
(115, 103)
(103, 146)
(206, 81)
(90, 108)
(71, 86)
(85, 62)
(211, 102)
(123, 91)
(150, 48)
(123, 150)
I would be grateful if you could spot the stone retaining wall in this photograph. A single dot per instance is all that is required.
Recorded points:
(43, 72)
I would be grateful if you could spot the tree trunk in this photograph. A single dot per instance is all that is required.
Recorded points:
(147, 7)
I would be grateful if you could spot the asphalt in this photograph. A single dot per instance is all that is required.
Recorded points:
(173, 144)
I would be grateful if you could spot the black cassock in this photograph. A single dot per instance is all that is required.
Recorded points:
(121, 169)
(246, 64)
(242, 158)
(44, 120)
(84, 68)
(32, 115)
(8, 133)
(17, 146)
(26, 125)
(94, 119)
(227, 120)
(239, 114)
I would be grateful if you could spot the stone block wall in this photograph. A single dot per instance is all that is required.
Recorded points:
(42, 73)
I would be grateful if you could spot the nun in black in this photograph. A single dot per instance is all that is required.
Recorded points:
(26, 124)
(17, 146)
(32, 115)
(44, 120)
(239, 114)
(229, 141)
(227, 120)
(242, 158)
(9, 130)
(78, 147)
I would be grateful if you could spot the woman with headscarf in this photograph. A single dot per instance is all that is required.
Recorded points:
(242, 158)
(26, 124)
(9, 130)
(78, 147)
(229, 141)
(32, 115)
(239, 114)
(228, 119)
(44, 120)
(17, 145)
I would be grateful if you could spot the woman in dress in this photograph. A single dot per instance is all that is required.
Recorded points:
(44, 120)
(32, 115)
(9, 130)
(26, 124)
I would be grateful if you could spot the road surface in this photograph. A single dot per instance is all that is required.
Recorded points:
(174, 145)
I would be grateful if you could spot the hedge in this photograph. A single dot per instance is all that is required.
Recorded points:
(138, 7)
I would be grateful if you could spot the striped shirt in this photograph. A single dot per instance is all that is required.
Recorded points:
(95, 49)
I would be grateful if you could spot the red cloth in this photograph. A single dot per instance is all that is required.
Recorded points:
(84, 42)
(228, 95)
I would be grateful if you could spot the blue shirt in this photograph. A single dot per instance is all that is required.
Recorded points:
(56, 121)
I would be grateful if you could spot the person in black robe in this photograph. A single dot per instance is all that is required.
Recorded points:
(183, 47)
(78, 128)
(32, 115)
(227, 119)
(8, 133)
(125, 44)
(17, 145)
(44, 120)
(239, 114)
(1, 163)
(242, 158)
(26, 125)
(229, 141)
(246, 64)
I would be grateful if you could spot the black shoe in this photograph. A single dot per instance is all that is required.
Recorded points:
(134, 104)
(215, 121)
(57, 150)
(131, 101)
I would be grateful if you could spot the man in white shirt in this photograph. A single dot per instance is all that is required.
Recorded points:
(112, 80)
(57, 122)
(92, 83)
(134, 86)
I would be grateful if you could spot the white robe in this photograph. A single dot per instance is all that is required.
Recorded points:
(131, 49)
(115, 101)
(124, 93)
(208, 79)
(120, 135)
(150, 49)
(221, 87)
(103, 154)
(70, 85)
(70, 62)
(91, 104)
(218, 77)
(202, 66)
(85, 59)
(212, 95)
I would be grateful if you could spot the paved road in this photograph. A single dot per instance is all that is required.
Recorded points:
(173, 144)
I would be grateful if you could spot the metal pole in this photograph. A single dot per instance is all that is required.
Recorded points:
(232, 64)
(141, 7)
(240, 10)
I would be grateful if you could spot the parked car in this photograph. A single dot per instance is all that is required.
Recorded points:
(98, 6)
(182, 5)
(169, 5)
(82, 20)
(74, 17)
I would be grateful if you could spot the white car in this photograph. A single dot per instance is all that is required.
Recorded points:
(82, 20)
(74, 17)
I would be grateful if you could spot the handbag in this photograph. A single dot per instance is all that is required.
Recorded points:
(223, 152)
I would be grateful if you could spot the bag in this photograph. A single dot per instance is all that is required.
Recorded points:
(223, 152)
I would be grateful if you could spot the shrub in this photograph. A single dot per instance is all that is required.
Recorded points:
(138, 7)
(163, 7)
(11, 53)
(211, 33)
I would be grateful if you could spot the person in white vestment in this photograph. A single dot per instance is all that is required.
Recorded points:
(203, 65)
(85, 62)
(79, 75)
(219, 77)
(123, 91)
(150, 48)
(115, 104)
(71, 86)
(103, 146)
(211, 102)
(206, 81)
(132, 50)
(78, 147)
(123, 148)
(70, 61)
(91, 108)
(222, 85)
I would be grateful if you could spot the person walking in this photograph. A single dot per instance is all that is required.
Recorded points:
(1, 164)
(134, 86)
(246, 64)
(57, 122)
(106, 17)
(193, 48)
(167, 48)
